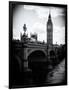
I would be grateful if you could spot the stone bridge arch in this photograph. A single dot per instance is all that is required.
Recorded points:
(30, 51)
(36, 59)
(52, 52)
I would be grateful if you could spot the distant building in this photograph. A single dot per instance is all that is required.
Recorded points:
(49, 30)
(34, 37)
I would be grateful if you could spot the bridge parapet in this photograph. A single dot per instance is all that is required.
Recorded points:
(34, 45)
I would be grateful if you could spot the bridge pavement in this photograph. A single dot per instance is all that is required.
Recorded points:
(57, 75)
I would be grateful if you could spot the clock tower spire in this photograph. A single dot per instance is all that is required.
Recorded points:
(49, 30)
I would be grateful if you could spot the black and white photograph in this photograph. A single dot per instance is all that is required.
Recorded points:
(37, 44)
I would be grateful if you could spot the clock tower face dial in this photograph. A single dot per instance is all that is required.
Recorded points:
(49, 27)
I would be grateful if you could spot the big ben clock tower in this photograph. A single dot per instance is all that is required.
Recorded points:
(49, 30)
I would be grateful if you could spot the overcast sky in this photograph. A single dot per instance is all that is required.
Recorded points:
(35, 18)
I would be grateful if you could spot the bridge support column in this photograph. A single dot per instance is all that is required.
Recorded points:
(26, 68)
(25, 59)
(25, 64)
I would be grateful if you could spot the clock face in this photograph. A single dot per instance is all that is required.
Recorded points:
(49, 26)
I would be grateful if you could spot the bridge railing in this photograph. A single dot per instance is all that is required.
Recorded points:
(37, 42)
